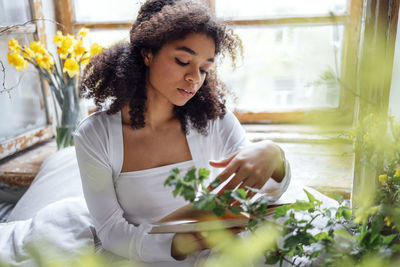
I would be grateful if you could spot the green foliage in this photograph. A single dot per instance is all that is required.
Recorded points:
(342, 238)
(369, 234)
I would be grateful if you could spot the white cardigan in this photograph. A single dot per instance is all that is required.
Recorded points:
(99, 150)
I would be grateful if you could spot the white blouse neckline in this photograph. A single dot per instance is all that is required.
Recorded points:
(151, 170)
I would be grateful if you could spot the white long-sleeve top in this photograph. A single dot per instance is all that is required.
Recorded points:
(121, 229)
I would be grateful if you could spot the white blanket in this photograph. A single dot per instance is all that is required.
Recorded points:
(65, 224)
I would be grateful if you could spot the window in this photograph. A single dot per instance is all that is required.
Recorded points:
(24, 119)
(293, 51)
(292, 54)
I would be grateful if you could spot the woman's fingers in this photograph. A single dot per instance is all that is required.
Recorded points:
(222, 163)
(239, 177)
(230, 168)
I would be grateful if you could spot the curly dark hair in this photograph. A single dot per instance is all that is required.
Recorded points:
(118, 74)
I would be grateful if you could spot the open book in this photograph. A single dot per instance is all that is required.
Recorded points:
(187, 219)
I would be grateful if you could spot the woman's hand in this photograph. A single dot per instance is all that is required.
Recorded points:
(252, 166)
(186, 243)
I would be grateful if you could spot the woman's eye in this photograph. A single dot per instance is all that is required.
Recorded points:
(204, 72)
(185, 64)
(180, 62)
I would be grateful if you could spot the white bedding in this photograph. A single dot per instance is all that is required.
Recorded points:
(54, 208)
(64, 223)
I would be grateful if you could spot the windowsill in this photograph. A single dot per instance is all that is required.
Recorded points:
(18, 171)
(321, 161)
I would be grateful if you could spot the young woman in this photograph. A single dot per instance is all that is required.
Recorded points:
(165, 110)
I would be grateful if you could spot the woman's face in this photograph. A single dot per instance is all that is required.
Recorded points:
(179, 69)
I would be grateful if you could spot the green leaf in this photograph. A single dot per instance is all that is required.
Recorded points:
(177, 189)
(190, 175)
(239, 194)
(322, 236)
(215, 183)
(310, 197)
(172, 178)
(262, 209)
(339, 198)
(252, 223)
(347, 213)
(203, 174)
(219, 210)
(236, 209)
(300, 238)
(188, 193)
(388, 238)
(205, 202)
(281, 211)
(377, 224)
(226, 196)
(301, 205)
(344, 212)
(272, 258)
(396, 180)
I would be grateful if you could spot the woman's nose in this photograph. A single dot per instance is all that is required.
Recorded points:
(193, 76)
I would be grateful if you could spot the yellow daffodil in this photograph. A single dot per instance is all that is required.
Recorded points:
(95, 49)
(388, 220)
(85, 59)
(17, 60)
(383, 178)
(45, 61)
(397, 173)
(79, 50)
(66, 46)
(27, 53)
(71, 66)
(37, 48)
(82, 32)
(13, 45)
(58, 38)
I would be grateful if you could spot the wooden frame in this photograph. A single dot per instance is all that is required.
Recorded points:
(40, 134)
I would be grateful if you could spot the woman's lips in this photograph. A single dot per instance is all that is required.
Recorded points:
(186, 92)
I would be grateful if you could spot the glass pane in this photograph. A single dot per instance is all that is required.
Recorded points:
(23, 109)
(240, 9)
(286, 68)
(14, 12)
(105, 10)
(107, 38)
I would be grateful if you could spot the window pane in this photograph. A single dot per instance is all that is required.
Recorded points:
(239, 9)
(23, 109)
(283, 67)
(14, 12)
(107, 38)
(105, 10)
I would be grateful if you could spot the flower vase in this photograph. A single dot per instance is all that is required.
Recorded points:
(66, 106)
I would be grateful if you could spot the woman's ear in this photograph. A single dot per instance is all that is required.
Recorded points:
(147, 57)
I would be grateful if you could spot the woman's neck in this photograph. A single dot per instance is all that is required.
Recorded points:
(158, 114)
